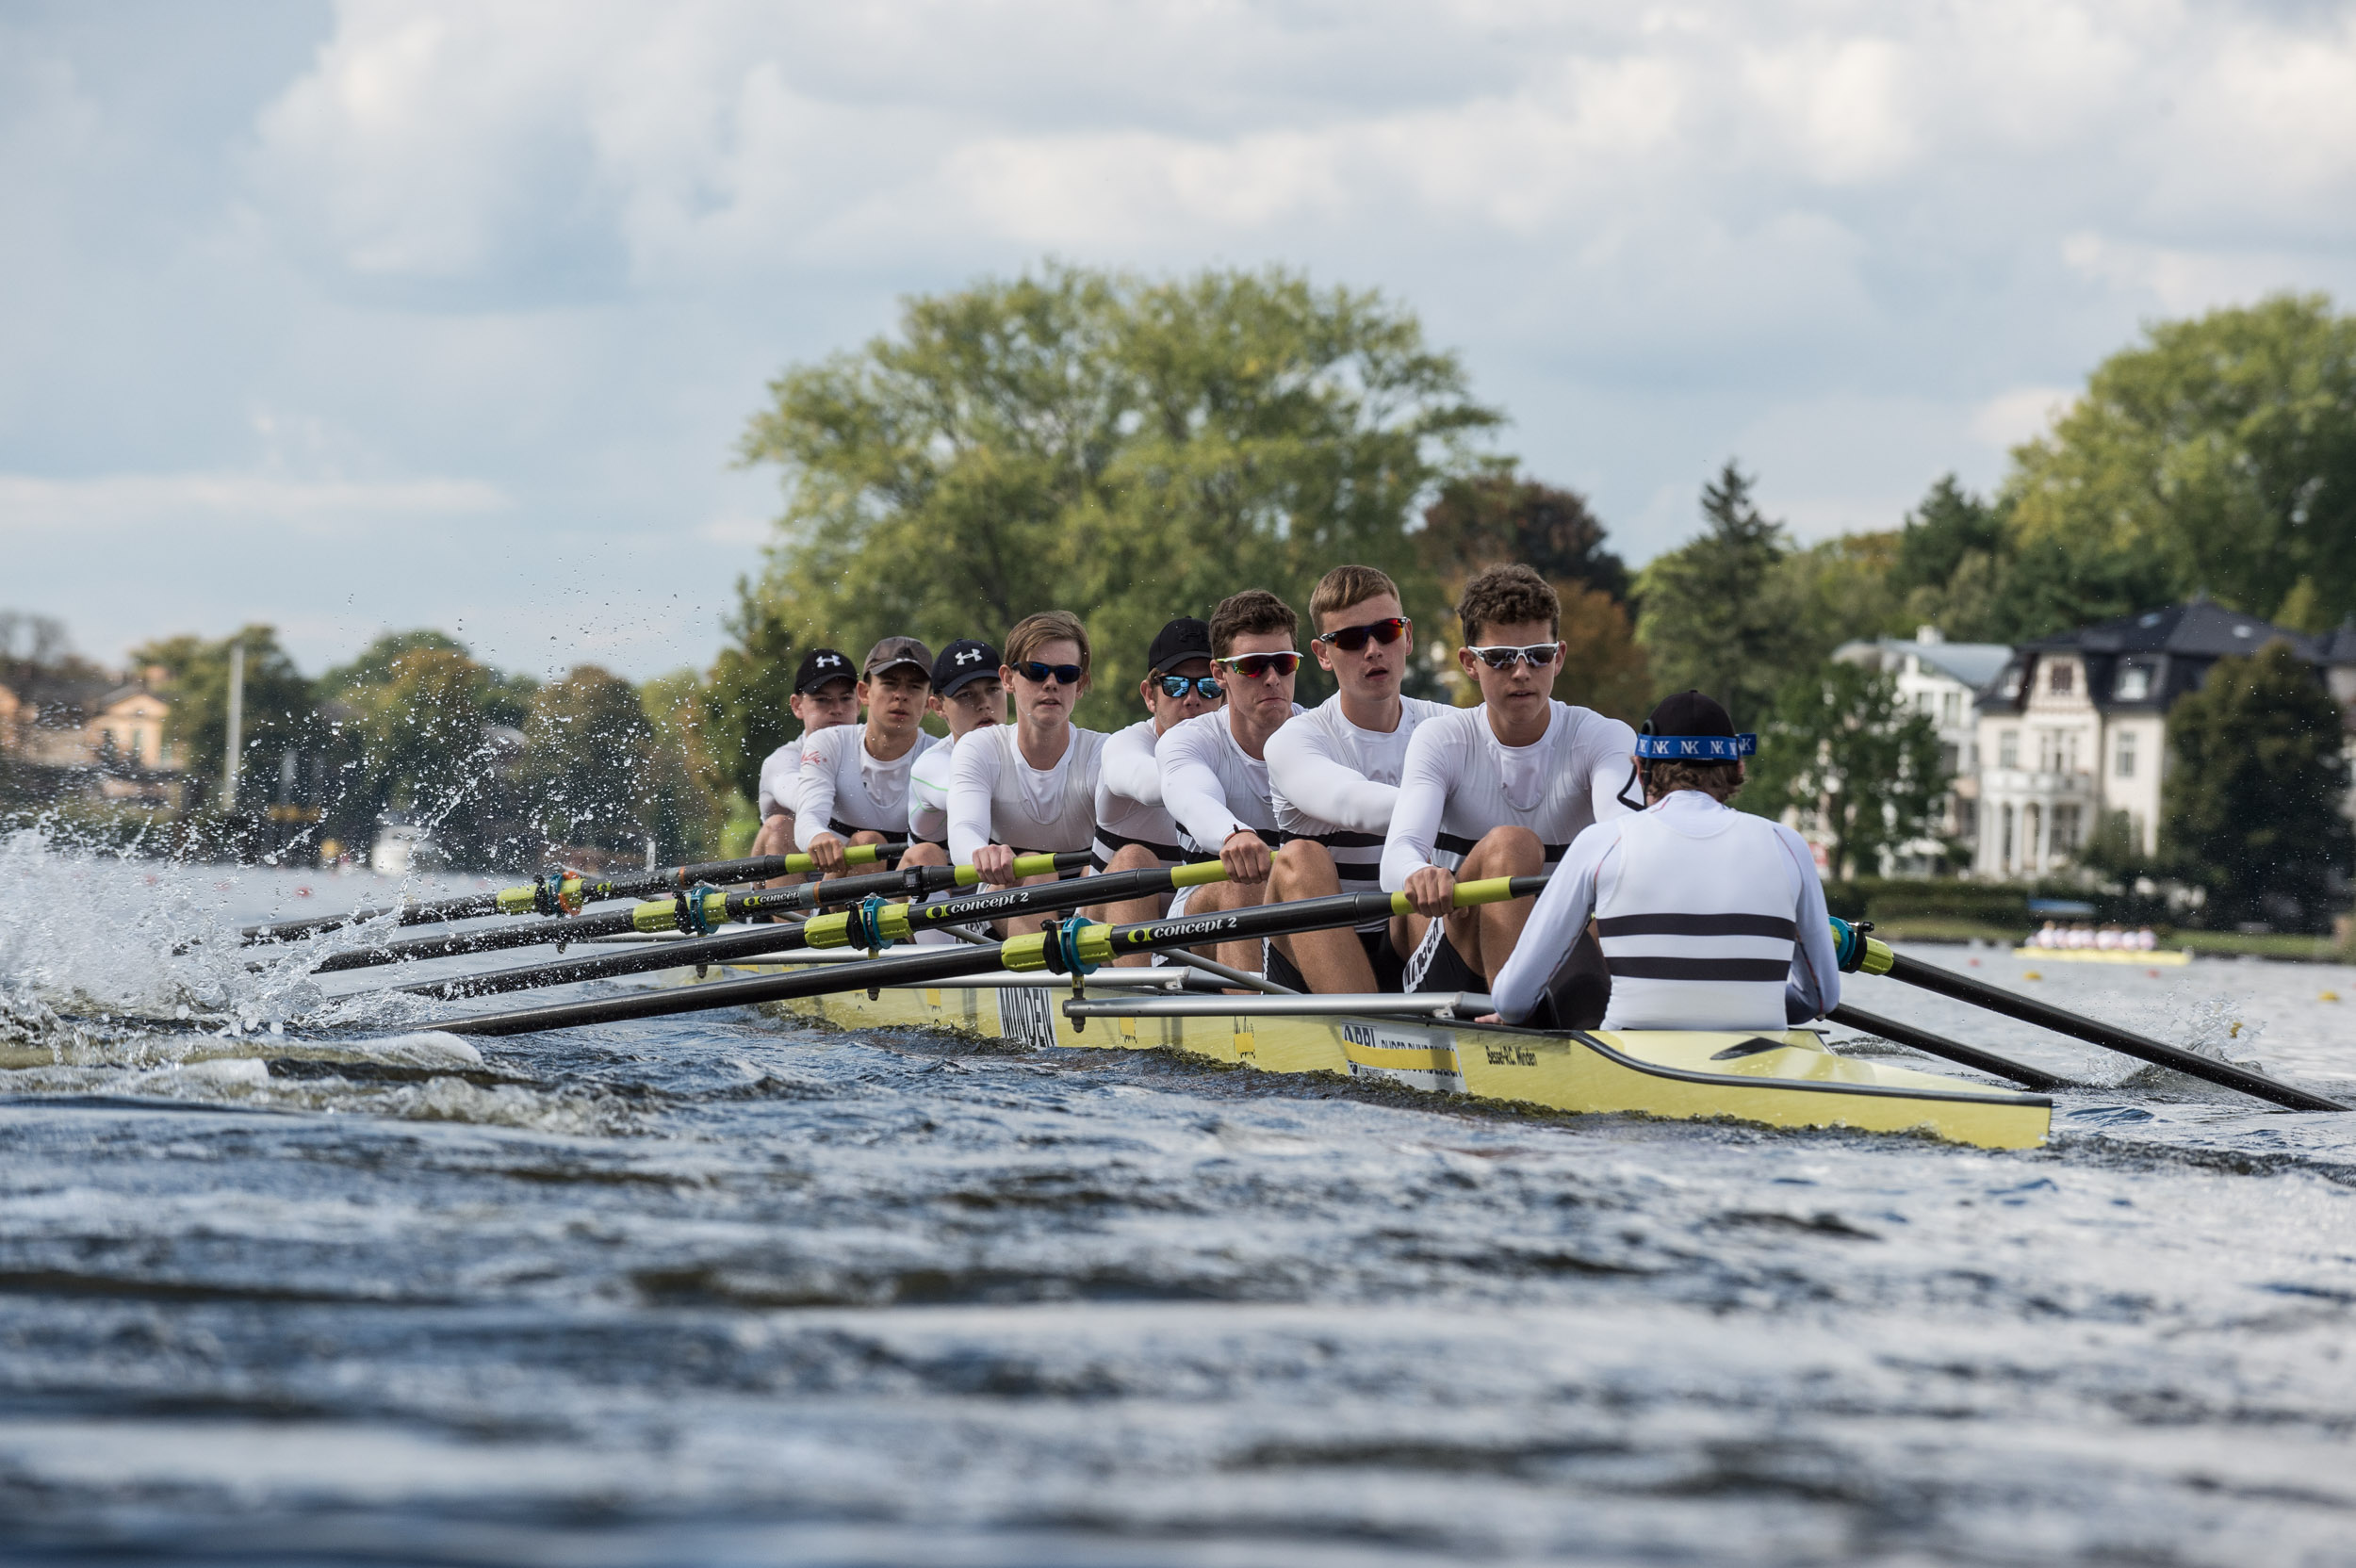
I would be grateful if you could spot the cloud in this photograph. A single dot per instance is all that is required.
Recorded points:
(2021, 414)
(30, 503)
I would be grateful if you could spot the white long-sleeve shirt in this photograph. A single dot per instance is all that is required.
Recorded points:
(997, 798)
(1336, 783)
(1129, 805)
(1703, 912)
(845, 789)
(928, 793)
(1460, 781)
(1211, 787)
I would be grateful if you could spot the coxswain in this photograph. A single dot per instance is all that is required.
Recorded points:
(825, 695)
(1215, 777)
(1334, 779)
(1029, 787)
(855, 776)
(1133, 831)
(1499, 790)
(967, 695)
(1708, 918)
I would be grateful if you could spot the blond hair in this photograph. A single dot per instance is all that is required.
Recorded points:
(1034, 632)
(1345, 586)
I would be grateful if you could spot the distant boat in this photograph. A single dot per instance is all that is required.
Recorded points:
(403, 847)
(2158, 957)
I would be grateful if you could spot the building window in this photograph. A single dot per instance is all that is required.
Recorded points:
(2065, 829)
(2123, 760)
(2133, 683)
(2008, 748)
(2062, 678)
(2004, 859)
(1951, 708)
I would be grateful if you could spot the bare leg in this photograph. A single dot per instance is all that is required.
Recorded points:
(1485, 935)
(1129, 911)
(777, 837)
(1329, 961)
(1023, 925)
(1216, 898)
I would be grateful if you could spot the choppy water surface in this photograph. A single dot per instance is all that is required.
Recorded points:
(285, 1278)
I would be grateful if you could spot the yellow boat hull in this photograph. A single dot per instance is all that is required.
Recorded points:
(1783, 1079)
(2162, 957)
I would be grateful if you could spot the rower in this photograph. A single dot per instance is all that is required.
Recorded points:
(855, 776)
(1132, 830)
(823, 695)
(967, 695)
(1708, 918)
(1029, 787)
(1214, 773)
(1333, 777)
(1499, 790)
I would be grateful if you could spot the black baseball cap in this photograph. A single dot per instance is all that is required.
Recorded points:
(818, 667)
(1692, 728)
(963, 663)
(1180, 640)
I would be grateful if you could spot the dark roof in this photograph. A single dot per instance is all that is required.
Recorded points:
(2337, 647)
(2203, 627)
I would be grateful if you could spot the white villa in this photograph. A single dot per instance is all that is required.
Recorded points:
(2077, 726)
(1942, 681)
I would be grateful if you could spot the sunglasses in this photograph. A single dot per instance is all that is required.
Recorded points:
(1350, 639)
(1537, 656)
(1039, 674)
(1254, 666)
(1204, 686)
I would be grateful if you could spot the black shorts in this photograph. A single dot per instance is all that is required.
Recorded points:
(1447, 972)
(1575, 996)
(1390, 970)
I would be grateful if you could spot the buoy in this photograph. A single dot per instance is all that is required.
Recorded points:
(2032, 974)
(2234, 1033)
(2329, 996)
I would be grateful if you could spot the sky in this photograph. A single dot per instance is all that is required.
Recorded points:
(351, 317)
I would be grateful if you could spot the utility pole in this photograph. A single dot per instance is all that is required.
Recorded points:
(237, 726)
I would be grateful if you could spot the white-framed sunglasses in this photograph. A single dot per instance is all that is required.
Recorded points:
(1537, 655)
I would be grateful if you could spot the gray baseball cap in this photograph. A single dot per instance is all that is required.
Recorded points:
(894, 651)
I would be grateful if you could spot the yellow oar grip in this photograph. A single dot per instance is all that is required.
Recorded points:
(519, 901)
(1878, 958)
(1024, 953)
(1200, 874)
(1024, 865)
(1494, 889)
(858, 855)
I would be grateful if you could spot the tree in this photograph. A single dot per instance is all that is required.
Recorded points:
(1133, 449)
(690, 790)
(589, 764)
(745, 716)
(413, 738)
(1495, 516)
(2252, 808)
(1845, 749)
(2221, 455)
(505, 699)
(1715, 617)
(280, 710)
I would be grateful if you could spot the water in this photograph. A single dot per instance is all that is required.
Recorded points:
(724, 1290)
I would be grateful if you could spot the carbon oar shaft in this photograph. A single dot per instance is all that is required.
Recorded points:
(552, 895)
(1930, 977)
(1954, 1051)
(1096, 944)
(1041, 898)
(671, 916)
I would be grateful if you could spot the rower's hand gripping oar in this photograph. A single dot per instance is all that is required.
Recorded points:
(729, 947)
(1858, 951)
(560, 892)
(693, 910)
(1073, 947)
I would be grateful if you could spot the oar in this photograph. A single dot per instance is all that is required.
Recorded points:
(687, 910)
(1879, 959)
(826, 931)
(559, 894)
(1954, 1051)
(1074, 947)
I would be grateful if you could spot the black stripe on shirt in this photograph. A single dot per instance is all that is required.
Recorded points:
(844, 829)
(1640, 968)
(1454, 844)
(1700, 925)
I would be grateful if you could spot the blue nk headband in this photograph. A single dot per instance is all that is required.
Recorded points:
(1697, 749)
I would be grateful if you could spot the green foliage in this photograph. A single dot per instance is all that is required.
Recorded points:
(591, 770)
(279, 706)
(2251, 807)
(1133, 449)
(1496, 516)
(691, 795)
(1844, 748)
(745, 716)
(2218, 455)
(410, 738)
(504, 699)
(1717, 616)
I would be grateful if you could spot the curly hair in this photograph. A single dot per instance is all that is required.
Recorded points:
(1718, 780)
(1508, 596)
